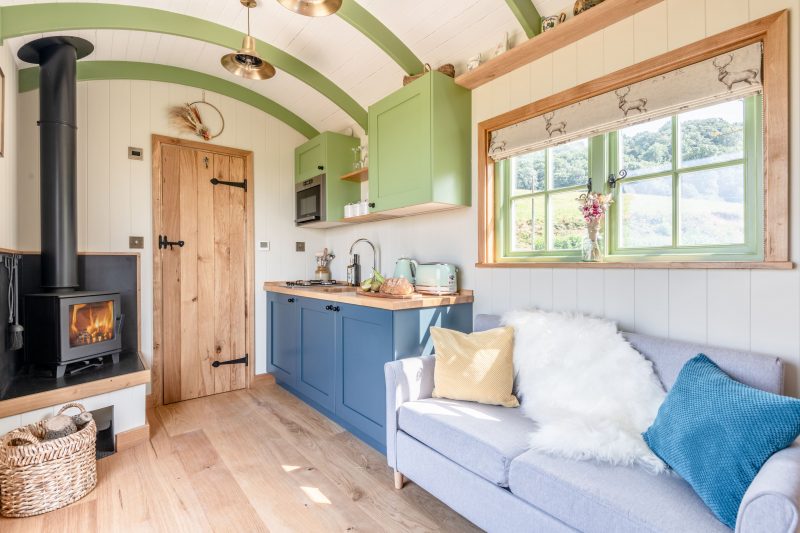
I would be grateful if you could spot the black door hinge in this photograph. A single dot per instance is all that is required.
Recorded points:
(240, 361)
(240, 184)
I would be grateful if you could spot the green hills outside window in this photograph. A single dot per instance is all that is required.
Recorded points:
(693, 191)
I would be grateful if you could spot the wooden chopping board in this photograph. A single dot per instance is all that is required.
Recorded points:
(411, 296)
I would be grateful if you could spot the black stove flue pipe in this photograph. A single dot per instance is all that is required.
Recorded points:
(56, 57)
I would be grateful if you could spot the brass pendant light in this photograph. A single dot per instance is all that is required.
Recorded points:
(312, 8)
(246, 62)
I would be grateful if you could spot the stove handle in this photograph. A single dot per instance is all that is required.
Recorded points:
(120, 322)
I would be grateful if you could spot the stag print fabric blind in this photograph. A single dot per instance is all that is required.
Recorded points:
(729, 76)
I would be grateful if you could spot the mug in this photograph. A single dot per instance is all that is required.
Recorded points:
(548, 23)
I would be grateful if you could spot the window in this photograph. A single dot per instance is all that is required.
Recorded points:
(693, 190)
(542, 187)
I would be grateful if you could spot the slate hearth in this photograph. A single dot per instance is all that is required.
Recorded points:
(117, 273)
(33, 381)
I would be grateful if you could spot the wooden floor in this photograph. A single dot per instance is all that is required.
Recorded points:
(251, 460)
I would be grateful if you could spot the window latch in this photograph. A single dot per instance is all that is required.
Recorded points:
(612, 179)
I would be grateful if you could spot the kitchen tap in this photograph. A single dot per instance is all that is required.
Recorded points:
(354, 274)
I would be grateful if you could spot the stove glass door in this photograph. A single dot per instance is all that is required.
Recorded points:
(91, 323)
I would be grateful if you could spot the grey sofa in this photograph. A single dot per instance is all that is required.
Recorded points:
(474, 458)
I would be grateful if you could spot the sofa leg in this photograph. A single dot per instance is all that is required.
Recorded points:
(399, 479)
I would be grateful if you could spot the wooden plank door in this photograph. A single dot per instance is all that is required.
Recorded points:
(203, 282)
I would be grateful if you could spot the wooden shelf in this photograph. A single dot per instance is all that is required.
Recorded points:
(357, 176)
(371, 217)
(574, 29)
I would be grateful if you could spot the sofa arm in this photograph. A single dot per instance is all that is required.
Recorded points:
(772, 502)
(406, 380)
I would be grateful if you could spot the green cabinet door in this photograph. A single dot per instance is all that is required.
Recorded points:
(400, 159)
(330, 154)
(309, 160)
(419, 147)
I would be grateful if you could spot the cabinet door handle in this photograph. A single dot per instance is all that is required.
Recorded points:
(320, 167)
(372, 205)
(336, 308)
(329, 307)
(290, 300)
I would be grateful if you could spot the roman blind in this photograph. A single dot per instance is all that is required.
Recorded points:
(728, 76)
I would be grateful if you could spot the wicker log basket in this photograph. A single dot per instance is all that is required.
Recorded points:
(39, 476)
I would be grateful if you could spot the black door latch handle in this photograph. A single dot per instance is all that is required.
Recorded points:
(240, 361)
(290, 300)
(163, 243)
(329, 308)
(240, 184)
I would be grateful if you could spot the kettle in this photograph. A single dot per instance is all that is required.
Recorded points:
(406, 268)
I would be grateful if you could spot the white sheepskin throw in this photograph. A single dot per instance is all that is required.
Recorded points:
(590, 392)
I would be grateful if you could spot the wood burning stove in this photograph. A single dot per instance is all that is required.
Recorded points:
(69, 327)
(64, 325)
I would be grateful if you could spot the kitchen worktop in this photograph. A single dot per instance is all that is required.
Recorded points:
(348, 295)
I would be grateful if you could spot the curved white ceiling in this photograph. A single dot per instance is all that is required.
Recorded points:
(437, 31)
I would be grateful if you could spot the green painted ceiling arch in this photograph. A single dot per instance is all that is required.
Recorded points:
(27, 19)
(527, 15)
(131, 70)
(363, 21)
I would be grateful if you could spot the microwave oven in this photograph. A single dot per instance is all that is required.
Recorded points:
(310, 200)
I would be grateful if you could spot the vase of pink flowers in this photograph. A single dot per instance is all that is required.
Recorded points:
(593, 207)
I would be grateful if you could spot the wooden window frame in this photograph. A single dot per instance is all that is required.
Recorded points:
(773, 32)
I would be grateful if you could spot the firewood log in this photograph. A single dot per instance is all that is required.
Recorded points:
(59, 426)
(82, 419)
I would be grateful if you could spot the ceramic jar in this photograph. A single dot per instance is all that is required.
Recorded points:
(548, 23)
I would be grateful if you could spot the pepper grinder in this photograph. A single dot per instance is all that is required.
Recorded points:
(354, 272)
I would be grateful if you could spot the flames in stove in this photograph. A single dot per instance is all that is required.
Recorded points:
(91, 323)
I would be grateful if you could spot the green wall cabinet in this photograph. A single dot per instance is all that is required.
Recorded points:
(419, 139)
(330, 154)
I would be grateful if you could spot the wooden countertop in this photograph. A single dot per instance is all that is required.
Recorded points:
(347, 295)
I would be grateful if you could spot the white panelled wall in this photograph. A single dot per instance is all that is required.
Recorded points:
(8, 163)
(753, 310)
(114, 193)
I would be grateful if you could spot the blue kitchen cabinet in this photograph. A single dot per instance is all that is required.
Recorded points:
(363, 345)
(317, 349)
(283, 324)
(331, 355)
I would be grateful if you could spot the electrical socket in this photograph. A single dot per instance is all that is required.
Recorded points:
(299, 246)
(135, 153)
(264, 246)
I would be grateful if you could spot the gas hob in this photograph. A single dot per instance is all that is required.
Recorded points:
(312, 283)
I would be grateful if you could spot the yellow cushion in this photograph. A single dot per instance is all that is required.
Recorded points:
(478, 367)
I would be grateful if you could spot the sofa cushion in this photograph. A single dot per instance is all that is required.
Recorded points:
(475, 367)
(484, 439)
(717, 433)
(595, 497)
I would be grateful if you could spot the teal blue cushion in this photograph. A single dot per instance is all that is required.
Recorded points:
(716, 433)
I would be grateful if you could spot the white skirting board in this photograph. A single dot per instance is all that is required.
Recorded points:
(129, 410)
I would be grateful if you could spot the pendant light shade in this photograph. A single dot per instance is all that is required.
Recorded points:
(246, 62)
(312, 8)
